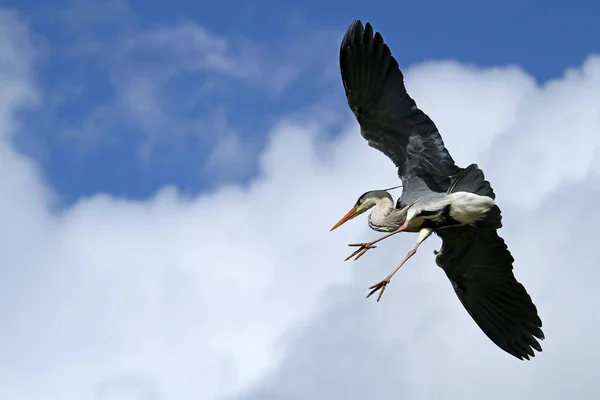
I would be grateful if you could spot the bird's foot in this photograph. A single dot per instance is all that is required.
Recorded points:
(363, 248)
(379, 286)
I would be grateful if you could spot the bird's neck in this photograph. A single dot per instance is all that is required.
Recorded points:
(379, 219)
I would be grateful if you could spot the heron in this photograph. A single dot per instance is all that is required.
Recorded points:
(457, 204)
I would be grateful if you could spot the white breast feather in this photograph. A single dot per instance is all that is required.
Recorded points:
(468, 208)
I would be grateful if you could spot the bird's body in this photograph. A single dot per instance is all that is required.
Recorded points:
(458, 204)
(434, 210)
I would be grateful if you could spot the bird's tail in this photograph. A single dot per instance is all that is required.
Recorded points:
(472, 180)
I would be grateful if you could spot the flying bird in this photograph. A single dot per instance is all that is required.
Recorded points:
(458, 204)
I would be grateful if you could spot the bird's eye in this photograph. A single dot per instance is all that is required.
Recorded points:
(362, 199)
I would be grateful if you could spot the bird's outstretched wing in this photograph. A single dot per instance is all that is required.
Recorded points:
(389, 118)
(479, 266)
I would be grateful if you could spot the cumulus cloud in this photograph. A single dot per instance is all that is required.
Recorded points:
(242, 292)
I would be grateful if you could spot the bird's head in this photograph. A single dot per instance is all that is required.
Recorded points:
(364, 203)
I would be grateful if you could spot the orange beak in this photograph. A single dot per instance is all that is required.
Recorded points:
(351, 214)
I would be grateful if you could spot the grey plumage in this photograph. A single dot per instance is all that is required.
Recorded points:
(389, 118)
(394, 217)
(479, 266)
(473, 256)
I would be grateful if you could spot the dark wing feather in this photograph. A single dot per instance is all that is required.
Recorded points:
(479, 265)
(389, 118)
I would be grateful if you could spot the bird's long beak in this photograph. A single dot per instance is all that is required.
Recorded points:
(355, 211)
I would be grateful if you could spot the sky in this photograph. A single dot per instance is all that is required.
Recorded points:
(171, 171)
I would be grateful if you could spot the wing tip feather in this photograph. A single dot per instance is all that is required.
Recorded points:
(497, 302)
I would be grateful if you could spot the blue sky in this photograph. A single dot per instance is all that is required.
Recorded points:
(82, 135)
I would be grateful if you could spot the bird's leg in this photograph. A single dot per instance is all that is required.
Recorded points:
(364, 247)
(423, 234)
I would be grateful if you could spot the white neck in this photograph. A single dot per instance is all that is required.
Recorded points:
(379, 219)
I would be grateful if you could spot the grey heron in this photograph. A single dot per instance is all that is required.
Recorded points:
(458, 204)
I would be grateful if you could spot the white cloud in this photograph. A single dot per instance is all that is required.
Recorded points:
(184, 298)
